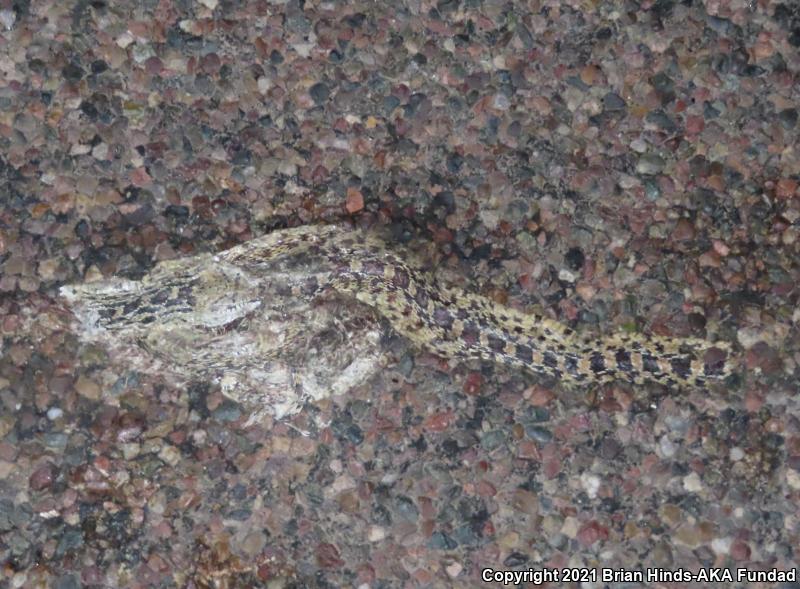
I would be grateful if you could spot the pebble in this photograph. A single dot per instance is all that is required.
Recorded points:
(667, 447)
(72, 73)
(7, 18)
(42, 477)
(591, 484)
(650, 164)
(87, 388)
(692, 483)
(376, 534)
(454, 569)
(721, 546)
(169, 454)
(538, 433)
(320, 92)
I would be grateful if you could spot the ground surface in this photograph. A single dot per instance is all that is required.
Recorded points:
(619, 165)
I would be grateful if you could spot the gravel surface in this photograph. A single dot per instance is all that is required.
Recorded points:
(621, 166)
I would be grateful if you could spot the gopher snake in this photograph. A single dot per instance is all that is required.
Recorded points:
(220, 292)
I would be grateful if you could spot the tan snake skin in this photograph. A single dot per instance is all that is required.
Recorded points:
(219, 291)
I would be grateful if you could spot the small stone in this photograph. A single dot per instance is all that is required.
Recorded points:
(327, 556)
(575, 258)
(319, 92)
(56, 441)
(87, 388)
(100, 151)
(540, 396)
(254, 543)
(472, 384)
(441, 541)
(764, 357)
(613, 102)
(664, 87)
(124, 40)
(788, 118)
(660, 119)
(721, 546)
(8, 18)
(501, 102)
(264, 84)
(692, 483)
(650, 164)
(661, 555)
(667, 447)
(47, 268)
(688, 535)
(670, 513)
(6, 468)
(354, 201)
(565, 275)
(72, 73)
(6, 425)
(227, 411)
(42, 477)
(131, 450)
(570, 527)
(453, 569)
(210, 4)
(376, 533)
(793, 479)
(740, 550)
(492, 439)
(170, 455)
(786, 188)
(54, 413)
(526, 502)
(591, 484)
(69, 581)
(591, 533)
(538, 433)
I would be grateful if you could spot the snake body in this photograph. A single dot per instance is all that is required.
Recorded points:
(220, 291)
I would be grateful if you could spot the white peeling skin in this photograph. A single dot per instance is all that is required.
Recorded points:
(268, 350)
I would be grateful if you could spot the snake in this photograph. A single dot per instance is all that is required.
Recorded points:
(220, 291)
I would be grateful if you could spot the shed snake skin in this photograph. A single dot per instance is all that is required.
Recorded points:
(220, 291)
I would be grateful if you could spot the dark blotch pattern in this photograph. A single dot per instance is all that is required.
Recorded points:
(470, 334)
(401, 279)
(443, 317)
(422, 298)
(681, 366)
(597, 363)
(571, 362)
(496, 343)
(550, 359)
(373, 267)
(160, 297)
(524, 353)
(623, 358)
(650, 363)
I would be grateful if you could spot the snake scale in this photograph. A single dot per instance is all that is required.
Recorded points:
(221, 291)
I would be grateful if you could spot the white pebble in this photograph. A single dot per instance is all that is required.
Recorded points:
(721, 545)
(692, 483)
(591, 484)
(667, 447)
(376, 534)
